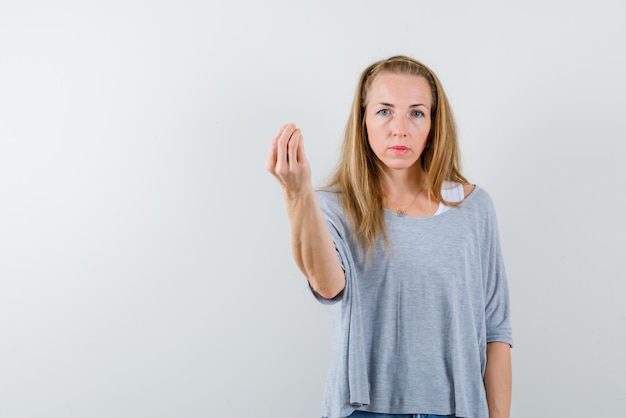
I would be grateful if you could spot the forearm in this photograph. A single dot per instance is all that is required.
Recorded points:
(312, 245)
(498, 379)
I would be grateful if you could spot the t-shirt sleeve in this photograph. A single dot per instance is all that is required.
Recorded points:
(497, 304)
(333, 213)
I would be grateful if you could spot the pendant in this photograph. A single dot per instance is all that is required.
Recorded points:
(400, 213)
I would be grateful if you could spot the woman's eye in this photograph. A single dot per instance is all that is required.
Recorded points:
(417, 114)
(383, 112)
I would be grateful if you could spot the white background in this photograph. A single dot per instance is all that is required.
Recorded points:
(145, 266)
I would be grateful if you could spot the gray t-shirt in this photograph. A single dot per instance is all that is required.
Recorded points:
(410, 329)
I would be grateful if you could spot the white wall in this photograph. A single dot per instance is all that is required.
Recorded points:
(145, 265)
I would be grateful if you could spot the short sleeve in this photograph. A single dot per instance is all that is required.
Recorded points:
(497, 303)
(333, 213)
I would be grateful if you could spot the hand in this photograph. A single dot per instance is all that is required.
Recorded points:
(287, 162)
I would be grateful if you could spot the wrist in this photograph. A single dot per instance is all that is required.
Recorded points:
(294, 195)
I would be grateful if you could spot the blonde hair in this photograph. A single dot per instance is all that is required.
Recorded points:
(358, 173)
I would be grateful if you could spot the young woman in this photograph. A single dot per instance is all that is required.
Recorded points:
(407, 252)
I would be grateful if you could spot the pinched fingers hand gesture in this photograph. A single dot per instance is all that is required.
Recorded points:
(287, 162)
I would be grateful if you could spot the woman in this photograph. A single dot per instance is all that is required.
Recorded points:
(407, 252)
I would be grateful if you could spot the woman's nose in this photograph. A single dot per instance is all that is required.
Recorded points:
(399, 126)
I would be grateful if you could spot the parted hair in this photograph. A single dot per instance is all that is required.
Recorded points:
(358, 175)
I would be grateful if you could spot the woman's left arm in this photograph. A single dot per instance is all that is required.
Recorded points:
(498, 379)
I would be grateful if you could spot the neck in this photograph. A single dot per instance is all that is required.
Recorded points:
(397, 183)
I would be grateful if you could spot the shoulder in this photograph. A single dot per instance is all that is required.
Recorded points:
(482, 209)
(477, 205)
(477, 195)
(466, 194)
(468, 189)
(330, 202)
(328, 197)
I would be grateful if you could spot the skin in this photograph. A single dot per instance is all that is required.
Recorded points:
(397, 114)
(312, 246)
(397, 119)
(498, 379)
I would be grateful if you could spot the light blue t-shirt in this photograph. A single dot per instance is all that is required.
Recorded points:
(410, 329)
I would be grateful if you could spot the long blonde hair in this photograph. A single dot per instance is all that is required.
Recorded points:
(358, 173)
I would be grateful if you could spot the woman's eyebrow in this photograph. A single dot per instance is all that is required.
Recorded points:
(391, 105)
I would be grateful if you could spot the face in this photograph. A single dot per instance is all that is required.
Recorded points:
(397, 119)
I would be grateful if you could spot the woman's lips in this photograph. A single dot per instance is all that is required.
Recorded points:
(399, 149)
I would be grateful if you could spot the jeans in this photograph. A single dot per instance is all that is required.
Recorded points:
(363, 414)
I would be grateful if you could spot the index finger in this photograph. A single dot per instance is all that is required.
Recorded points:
(270, 159)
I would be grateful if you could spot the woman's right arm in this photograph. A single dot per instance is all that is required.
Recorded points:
(313, 248)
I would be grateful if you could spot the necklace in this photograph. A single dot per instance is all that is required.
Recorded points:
(402, 212)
